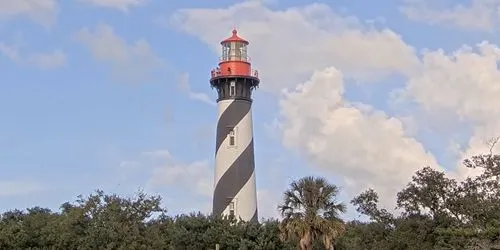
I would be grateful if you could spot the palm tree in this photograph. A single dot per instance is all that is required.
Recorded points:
(310, 212)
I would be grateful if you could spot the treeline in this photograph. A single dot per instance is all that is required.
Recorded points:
(436, 213)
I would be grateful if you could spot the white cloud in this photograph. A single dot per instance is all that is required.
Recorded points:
(193, 180)
(194, 176)
(159, 154)
(45, 61)
(10, 52)
(483, 15)
(18, 188)
(129, 62)
(267, 202)
(467, 82)
(198, 96)
(163, 170)
(50, 60)
(185, 186)
(286, 45)
(129, 166)
(463, 84)
(363, 147)
(122, 5)
(40, 11)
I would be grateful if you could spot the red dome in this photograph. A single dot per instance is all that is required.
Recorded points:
(235, 38)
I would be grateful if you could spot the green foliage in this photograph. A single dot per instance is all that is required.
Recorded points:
(437, 212)
(311, 212)
(434, 212)
(110, 222)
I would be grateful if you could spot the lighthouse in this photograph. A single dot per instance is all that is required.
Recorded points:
(234, 79)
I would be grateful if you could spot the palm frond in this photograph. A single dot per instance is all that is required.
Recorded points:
(310, 211)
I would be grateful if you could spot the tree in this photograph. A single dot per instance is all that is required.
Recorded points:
(101, 221)
(310, 212)
(35, 229)
(437, 212)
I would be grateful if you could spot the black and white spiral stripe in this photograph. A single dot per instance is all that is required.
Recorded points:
(234, 178)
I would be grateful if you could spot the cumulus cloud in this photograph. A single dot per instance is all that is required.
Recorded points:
(45, 61)
(290, 44)
(191, 180)
(267, 201)
(40, 11)
(363, 147)
(196, 180)
(482, 15)
(51, 60)
(10, 52)
(159, 154)
(462, 84)
(193, 176)
(122, 5)
(134, 62)
(185, 186)
(13, 188)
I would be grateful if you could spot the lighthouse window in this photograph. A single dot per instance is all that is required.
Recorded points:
(233, 51)
(237, 50)
(225, 52)
(231, 209)
(232, 89)
(243, 52)
(232, 138)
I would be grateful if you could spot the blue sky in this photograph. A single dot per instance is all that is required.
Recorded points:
(116, 97)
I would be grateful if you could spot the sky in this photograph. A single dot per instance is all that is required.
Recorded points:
(115, 95)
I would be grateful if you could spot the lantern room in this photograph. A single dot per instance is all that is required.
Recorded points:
(234, 48)
(234, 60)
(234, 78)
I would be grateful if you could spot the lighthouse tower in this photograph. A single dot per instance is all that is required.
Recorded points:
(234, 180)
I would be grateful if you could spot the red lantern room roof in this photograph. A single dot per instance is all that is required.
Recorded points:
(235, 38)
